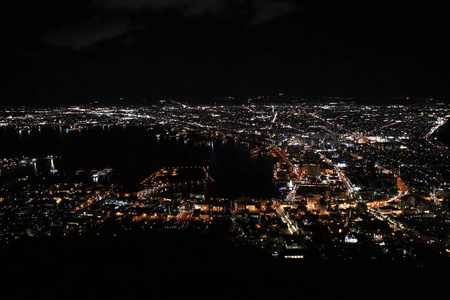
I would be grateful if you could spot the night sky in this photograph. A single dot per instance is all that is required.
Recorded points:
(66, 52)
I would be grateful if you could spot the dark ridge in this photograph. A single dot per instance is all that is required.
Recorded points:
(174, 265)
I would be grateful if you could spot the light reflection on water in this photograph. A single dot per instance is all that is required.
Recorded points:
(135, 152)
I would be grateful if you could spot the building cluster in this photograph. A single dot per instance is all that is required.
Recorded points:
(355, 182)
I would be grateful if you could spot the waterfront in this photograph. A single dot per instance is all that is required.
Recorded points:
(443, 134)
(377, 195)
(135, 152)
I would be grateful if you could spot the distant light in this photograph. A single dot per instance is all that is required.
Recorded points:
(294, 256)
(350, 239)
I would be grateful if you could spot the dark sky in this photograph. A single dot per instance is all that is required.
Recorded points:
(65, 51)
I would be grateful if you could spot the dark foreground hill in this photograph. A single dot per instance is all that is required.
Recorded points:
(179, 265)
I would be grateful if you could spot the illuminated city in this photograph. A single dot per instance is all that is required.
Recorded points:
(349, 182)
(236, 149)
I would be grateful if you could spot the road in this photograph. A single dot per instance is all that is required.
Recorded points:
(281, 153)
(402, 190)
(281, 213)
(291, 195)
(184, 215)
(86, 203)
(341, 175)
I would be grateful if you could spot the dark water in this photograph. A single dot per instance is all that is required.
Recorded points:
(443, 133)
(135, 152)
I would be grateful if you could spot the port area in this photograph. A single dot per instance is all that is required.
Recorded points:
(174, 178)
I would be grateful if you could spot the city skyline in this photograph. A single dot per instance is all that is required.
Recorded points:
(224, 149)
(230, 194)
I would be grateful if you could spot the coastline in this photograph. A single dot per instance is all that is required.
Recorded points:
(442, 133)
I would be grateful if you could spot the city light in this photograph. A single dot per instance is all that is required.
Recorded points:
(341, 175)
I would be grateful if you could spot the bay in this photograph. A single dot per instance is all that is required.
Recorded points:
(136, 152)
(443, 134)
